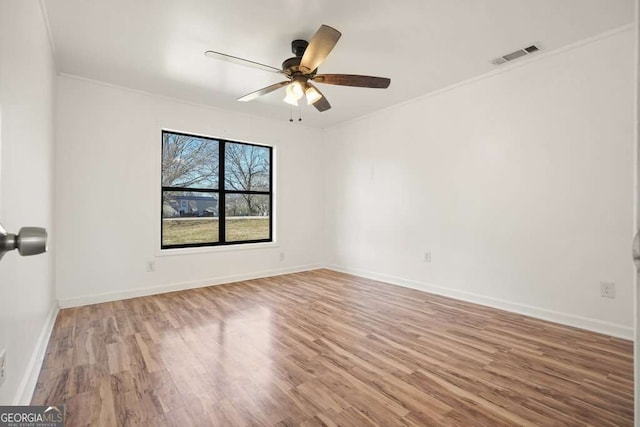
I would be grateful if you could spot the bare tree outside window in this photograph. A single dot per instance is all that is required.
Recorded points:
(189, 161)
(247, 168)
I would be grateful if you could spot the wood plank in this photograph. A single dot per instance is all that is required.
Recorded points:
(325, 348)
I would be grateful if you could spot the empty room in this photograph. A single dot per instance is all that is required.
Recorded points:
(318, 213)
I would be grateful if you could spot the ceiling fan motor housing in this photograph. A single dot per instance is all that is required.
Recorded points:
(291, 66)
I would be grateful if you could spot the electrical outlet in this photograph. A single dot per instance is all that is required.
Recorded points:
(151, 266)
(607, 289)
(427, 256)
(3, 366)
(281, 256)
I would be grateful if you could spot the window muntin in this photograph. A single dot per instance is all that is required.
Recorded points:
(198, 211)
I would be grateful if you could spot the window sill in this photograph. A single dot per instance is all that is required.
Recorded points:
(214, 249)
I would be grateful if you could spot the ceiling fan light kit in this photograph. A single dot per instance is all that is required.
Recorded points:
(312, 95)
(302, 69)
(294, 93)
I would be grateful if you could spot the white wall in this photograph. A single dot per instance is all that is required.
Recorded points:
(519, 183)
(636, 194)
(108, 194)
(27, 93)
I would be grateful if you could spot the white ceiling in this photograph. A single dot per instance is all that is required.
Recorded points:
(422, 45)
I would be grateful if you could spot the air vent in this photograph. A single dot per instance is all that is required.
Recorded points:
(515, 55)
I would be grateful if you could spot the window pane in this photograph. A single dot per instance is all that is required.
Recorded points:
(247, 217)
(246, 167)
(189, 161)
(189, 217)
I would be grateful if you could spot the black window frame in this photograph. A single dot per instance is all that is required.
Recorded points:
(221, 191)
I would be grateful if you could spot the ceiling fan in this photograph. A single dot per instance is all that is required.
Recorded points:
(301, 71)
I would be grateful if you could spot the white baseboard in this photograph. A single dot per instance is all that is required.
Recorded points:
(30, 379)
(607, 328)
(134, 293)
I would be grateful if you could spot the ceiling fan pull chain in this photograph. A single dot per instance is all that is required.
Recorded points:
(291, 113)
(299, 113)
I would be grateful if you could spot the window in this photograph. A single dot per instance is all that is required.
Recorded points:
(214, 192)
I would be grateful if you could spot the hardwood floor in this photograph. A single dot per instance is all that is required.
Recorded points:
(325, 348)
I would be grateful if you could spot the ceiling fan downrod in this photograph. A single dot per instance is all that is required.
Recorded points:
(298, 47)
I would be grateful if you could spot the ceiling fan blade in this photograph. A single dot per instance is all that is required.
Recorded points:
(319, 47)
(353, 80)
(265, 90)
(321, 104)
(241, 61)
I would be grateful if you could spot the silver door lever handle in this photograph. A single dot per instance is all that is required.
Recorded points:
(28, 241)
